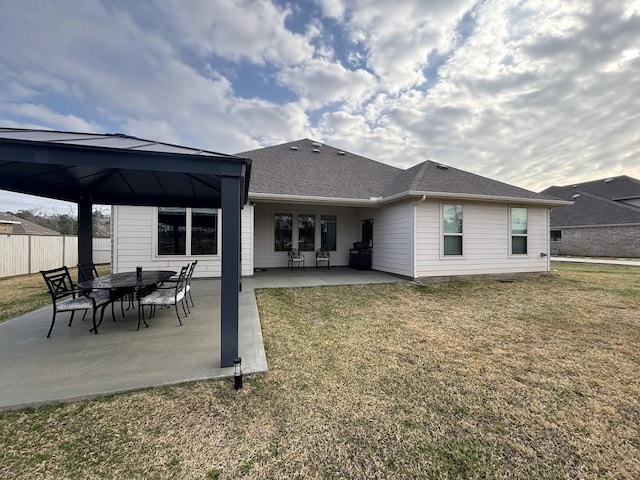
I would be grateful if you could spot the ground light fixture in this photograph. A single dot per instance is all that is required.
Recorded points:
(237, 373)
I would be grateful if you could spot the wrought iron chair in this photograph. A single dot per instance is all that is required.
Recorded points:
(88, 271)
(165, 296)
(322, 255)
(67, 298)
(295, 257)
(188, 282)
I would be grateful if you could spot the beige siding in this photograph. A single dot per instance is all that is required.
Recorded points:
(486, 241)
(348, 231)
(392, 238)
(247, 239)
(135, 244)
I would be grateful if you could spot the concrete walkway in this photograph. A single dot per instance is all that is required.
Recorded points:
(75, 364)
(603, 261)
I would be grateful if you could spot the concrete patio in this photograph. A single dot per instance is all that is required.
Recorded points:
(75, 364)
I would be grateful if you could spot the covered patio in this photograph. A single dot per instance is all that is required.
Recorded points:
(116, 169)
(75, 364)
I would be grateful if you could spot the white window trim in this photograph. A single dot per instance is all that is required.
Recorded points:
(511, 235)
(442, 234)
(188, 255)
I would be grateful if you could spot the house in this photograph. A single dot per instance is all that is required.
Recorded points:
(604, 220)
(14, 225)
(430, 220)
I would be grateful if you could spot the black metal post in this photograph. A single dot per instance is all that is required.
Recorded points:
(229, 309)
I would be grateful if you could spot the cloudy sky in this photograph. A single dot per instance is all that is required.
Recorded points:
(529, 92)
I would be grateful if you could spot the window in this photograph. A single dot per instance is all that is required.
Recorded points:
(328, 229)
(187, 231)
(518, 231)
(306, 232)
(367, 232)
(204, 231)
(283, 231)
(172, 231)
(306, 237)
(556, 235)
(452, 228)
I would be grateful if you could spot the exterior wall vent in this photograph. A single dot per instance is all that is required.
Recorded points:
(340, 152)
(575, 195)
(293, 147)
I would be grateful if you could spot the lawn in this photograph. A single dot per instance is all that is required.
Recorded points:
(535, 378)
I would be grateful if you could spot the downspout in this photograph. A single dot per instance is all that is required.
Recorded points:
(415, 233)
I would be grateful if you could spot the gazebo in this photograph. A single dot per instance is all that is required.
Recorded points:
(117, 169)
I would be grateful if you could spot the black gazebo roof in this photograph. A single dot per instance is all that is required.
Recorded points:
(114, 169)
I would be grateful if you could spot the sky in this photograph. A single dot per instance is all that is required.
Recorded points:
(529, 92)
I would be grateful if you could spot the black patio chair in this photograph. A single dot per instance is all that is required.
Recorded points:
(188, 282)
(67, 298)
(172, 294)
(88, 271)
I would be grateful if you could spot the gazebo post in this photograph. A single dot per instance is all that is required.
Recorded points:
(229, 309)
(85, 231)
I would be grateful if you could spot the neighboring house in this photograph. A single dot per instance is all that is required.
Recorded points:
(604, 220)
(14, 225)
(428, 221)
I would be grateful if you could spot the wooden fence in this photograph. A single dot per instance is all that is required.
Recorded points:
(23, 254)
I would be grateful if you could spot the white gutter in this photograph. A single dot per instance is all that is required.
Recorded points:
(373, 201)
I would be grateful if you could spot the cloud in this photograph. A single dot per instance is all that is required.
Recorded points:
(332, 8)
(43, 114)
(525, 91)
(250, 30)
(320, 82)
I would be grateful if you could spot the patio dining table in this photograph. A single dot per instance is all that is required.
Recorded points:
(123, 283)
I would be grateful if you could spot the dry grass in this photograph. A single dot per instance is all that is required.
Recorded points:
(25, 293)
(529, 379)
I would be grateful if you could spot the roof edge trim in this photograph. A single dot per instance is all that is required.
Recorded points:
(274, 197)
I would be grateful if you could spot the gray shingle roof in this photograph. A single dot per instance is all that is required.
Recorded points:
(25, 227)
(311, 169)
(591, 209)
(614, 188)
(294, 168)
(437, 177)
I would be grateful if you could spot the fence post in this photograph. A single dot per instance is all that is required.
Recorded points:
(29, 254)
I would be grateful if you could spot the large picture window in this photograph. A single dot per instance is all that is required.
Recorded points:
(282, 231)
(518, 231)
(187, 231)
(452, 228)
(306, 232)
(328, 229)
